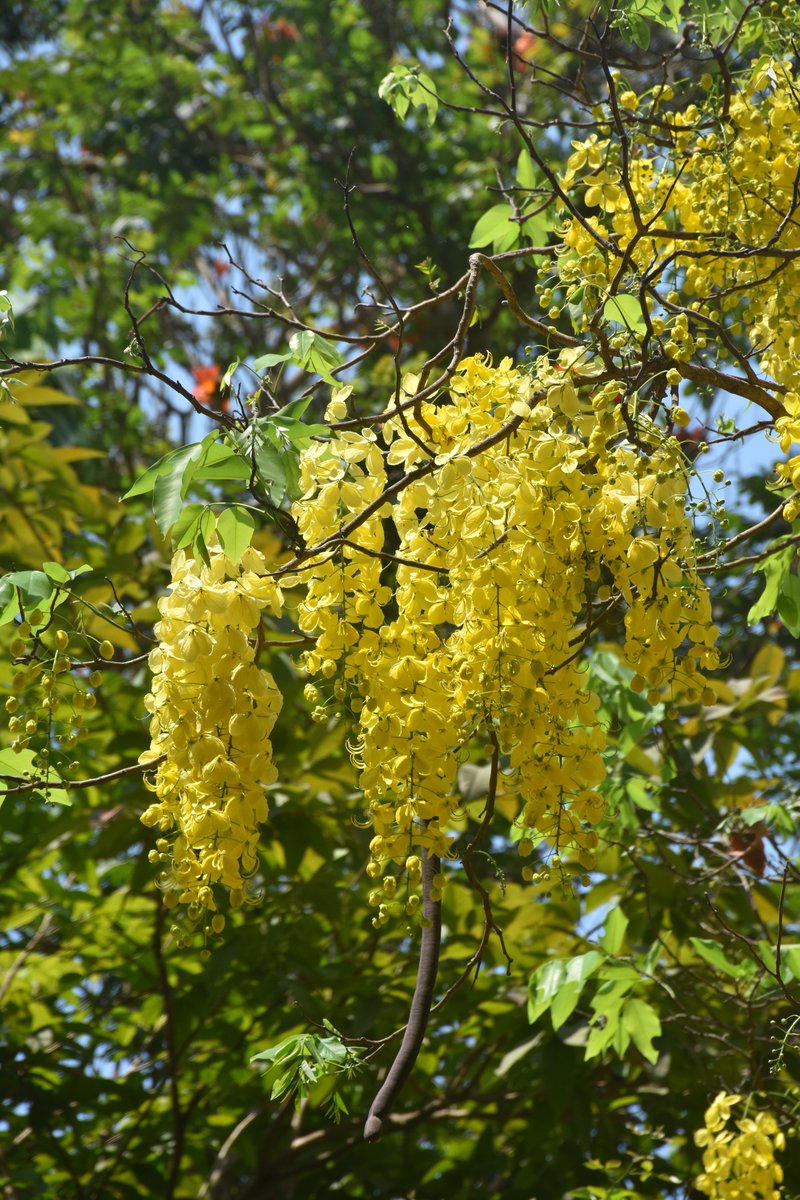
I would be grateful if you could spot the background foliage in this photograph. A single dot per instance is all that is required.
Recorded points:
(220, 136)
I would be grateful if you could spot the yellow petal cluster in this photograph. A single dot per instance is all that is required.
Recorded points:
(501, 519)
(739, 1165)
(213, 709)
(711, 207)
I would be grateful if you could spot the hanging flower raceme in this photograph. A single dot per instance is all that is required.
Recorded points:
(739, 1165)
(709, 206)
(213, 710)
(516, 510)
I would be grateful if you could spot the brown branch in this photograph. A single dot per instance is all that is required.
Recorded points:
(744, 536)
(384, 556)
(489, 924)
(547, 331)
(218, 1168)
(746, 559)
(75, 784)
(421, 1003)
(16, 364)
(178, 1116)
(752, 951)
(110, 664)
(45, 926)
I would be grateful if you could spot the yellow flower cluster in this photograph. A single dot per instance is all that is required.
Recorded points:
(501, 519)
(739, 1166)
(213, 710)
(709, 210)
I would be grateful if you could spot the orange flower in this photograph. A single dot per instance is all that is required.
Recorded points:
(279, 28)
(523, 51)
(206, 381)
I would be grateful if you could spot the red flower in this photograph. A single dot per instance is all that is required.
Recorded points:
(690, 439)
(748, 844)
(206, 381)
(287, 29)
(523, 51)
(279, 28)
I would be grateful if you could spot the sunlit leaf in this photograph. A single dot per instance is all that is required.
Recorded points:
(235, 528)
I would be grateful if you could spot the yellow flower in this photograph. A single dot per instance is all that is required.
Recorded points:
(212, 712)
(739, 1166)
(472, 631)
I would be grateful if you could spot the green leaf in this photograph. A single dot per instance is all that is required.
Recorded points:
(614, 933)
(292, 411)
(543, 987)
(35, 586)
(789, 604)
(330, 1053)
(641, 1021)
(17, 764)
(639, 31)
(298, 433)
(495, 227)
(6, 310)
(55, 795)
(227, 378)
(639, 793)
(56, 572)
(557, 984)
(790, 961)
(666, 13)
(283, 1084)
(526, 172)
(209, 461)
(625, 310)
(617, 980)
(168, 497)
(288, 1048)
(576, 972)
(536, 228)
(582, 967)
(621, 1039)
(712, 953)
(405, 87)
(266, 361)
(564, 1005)
(34, 589)
(776, 570)
(308, 1065)
(314, 353)
(205, 527)
(276, 462)
(185, 528)
(218, 461)
(9, 602)
(274, 469)
(603, 1030)
(173, 463)
(575, 309)
(235, 529)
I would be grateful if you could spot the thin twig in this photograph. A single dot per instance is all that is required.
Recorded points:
(75, 784)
